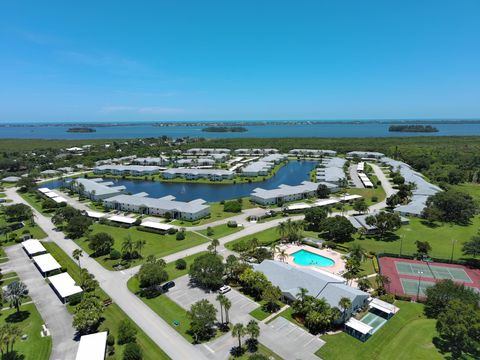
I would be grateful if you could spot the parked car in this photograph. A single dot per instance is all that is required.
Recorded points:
(224, 289)
(168, 285)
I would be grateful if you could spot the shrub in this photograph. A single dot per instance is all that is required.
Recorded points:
(390, 298)
(232, 206)
(126, 332)
(374, 199)
(172, 231)
(115, 254)
(232, 224)
(132, 352)
(110, 340)
(75, 299)
(180, 264)
(180, 235)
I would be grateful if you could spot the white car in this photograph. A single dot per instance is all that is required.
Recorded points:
(224, 289)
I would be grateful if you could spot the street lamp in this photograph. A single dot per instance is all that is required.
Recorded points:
(419, 280)
(453, 248)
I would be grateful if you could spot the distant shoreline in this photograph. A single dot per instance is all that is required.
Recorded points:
(239, 123)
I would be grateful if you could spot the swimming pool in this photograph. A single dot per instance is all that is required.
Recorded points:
(307, 258)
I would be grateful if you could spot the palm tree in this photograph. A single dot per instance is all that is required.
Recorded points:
(221, 300)
(77, 254)
(238, 331)
(127, 245)
(363, 284)
(253, 330)
(345, 303)
(15, 293)
(9, 333)
(227, 304)
(214, 244)
(282, 255)
(282, 230)
(302, 293)
(139, 246)
(357, 252)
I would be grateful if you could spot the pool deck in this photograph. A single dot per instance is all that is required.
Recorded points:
(336, 269)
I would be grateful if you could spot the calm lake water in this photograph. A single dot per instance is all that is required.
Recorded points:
(322, 129)
(293, 173)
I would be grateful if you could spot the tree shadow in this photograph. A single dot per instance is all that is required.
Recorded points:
(13, 355)
(17, 317)
(429, 224)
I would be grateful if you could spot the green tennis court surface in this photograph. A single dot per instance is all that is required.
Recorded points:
(373, 320)
(410, 286)
(432, 271)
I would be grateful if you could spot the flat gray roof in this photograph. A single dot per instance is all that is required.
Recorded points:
(100, 188)
(218, 172)
(285, 190)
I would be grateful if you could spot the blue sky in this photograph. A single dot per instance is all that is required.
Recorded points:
(240, 60)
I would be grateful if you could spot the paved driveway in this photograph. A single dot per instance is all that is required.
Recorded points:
(185, 295)
(56, 317)
(290, 341)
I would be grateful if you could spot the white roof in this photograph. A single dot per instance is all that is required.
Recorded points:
(298, 206)
(33, 246)
(325, 202)
(44, 190)
(64, 284)
(358, 325)
(92, 347)
(122, 219)
(59, 199)
(383, 306)
(50, 194)
(349, 197)
(156, 225)
(46, 262)
(95, 214)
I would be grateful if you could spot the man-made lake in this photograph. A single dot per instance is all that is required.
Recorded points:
(293, 173)
(320, 129)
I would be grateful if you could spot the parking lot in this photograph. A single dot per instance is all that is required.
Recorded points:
(185, 295)
(289, 340)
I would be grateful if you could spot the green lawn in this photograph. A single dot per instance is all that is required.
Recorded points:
(35, 231)
(174, 273)
(156, 244)
(221, 231)
(264, 237)
(469, 188)
(35, 201)
(167, 309)
(407, 335)
(440, 238)
(368, 194)
(112, 314)
(259, 313)
(35, 347)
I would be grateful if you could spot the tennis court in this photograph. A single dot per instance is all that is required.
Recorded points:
(432, 271)
(373, 320)
(404, 274)
(410, 287)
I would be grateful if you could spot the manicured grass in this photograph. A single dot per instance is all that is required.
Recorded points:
(469, 188)
(288, 314)
(174, 273)
(439, 236)
(221, 231)
(369, 193)
(35, 231)
(113, 314)
(35, 347)
(407, 335)
(264, 237)
(167, 309)
(8, 278)
(261, 350)
(35, 201)
(259, 314)
(156, 244)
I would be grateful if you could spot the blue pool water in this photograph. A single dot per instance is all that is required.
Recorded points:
(307, 258)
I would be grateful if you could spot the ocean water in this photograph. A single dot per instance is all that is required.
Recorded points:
(321, 129)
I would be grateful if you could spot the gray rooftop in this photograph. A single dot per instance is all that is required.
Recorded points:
(167, 203)
(313, 151)
(127, 168)
(182, 171)
(100, 188)
(365, 154)
(285, 190)
(319, 284)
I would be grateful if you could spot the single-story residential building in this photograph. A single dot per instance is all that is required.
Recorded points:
(33, 247)
(331, 170)
(194, 174)
(284, 193)
(10, 179)
(95, 189)
(360, 221)
(195, 162)
(206, 151)
(64, 286)
(156, 225)
(319, 284)
(257, 168)
(257, 151)
(157, 161)
(46, 263)
(92, 347)
(122, 219)
(134, 170)
(49, 173)
(140, 203)
(274, 158)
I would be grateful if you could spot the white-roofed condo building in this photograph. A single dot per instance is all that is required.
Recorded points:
(312, 152)
(141, 203)
(95, 189)
(286, 193)
(331, 171)
(134, 170)
(195, 174)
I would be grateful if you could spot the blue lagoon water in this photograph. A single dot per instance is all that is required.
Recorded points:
(293, 173)
(321, 129)
(307, 258)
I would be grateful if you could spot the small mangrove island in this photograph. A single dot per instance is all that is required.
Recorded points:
(413, 128)
(81, 130)
(225, 129)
